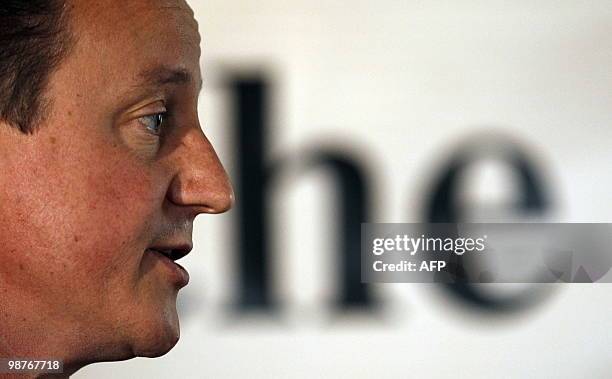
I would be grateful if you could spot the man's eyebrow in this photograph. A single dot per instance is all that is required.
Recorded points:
(160, 76)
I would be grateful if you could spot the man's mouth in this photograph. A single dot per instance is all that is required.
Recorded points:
(173, 254)
(168, 256)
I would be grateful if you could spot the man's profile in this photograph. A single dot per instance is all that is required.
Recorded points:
(104, 168)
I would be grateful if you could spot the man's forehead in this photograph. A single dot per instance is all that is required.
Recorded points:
(134, 4)
(127, 50)
(137, 34)
(116, 14)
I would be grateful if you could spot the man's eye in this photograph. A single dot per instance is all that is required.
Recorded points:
(153, 122)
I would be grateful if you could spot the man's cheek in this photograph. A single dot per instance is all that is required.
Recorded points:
(122, 217)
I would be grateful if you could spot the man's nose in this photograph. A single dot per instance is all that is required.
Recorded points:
(200, 180)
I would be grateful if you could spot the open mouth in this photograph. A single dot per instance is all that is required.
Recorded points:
(172, 254)
(168, 258)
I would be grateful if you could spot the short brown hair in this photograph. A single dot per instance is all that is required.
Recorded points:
(34, 38)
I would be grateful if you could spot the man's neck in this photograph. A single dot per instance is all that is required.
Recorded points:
(26, 332)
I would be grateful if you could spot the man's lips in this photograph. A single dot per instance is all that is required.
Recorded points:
(173, 252)
(167, 257)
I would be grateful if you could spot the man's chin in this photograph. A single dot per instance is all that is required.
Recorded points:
(157, 345)
(157, 335)
(159, 350)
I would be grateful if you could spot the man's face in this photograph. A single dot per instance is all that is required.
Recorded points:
(99, 185)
